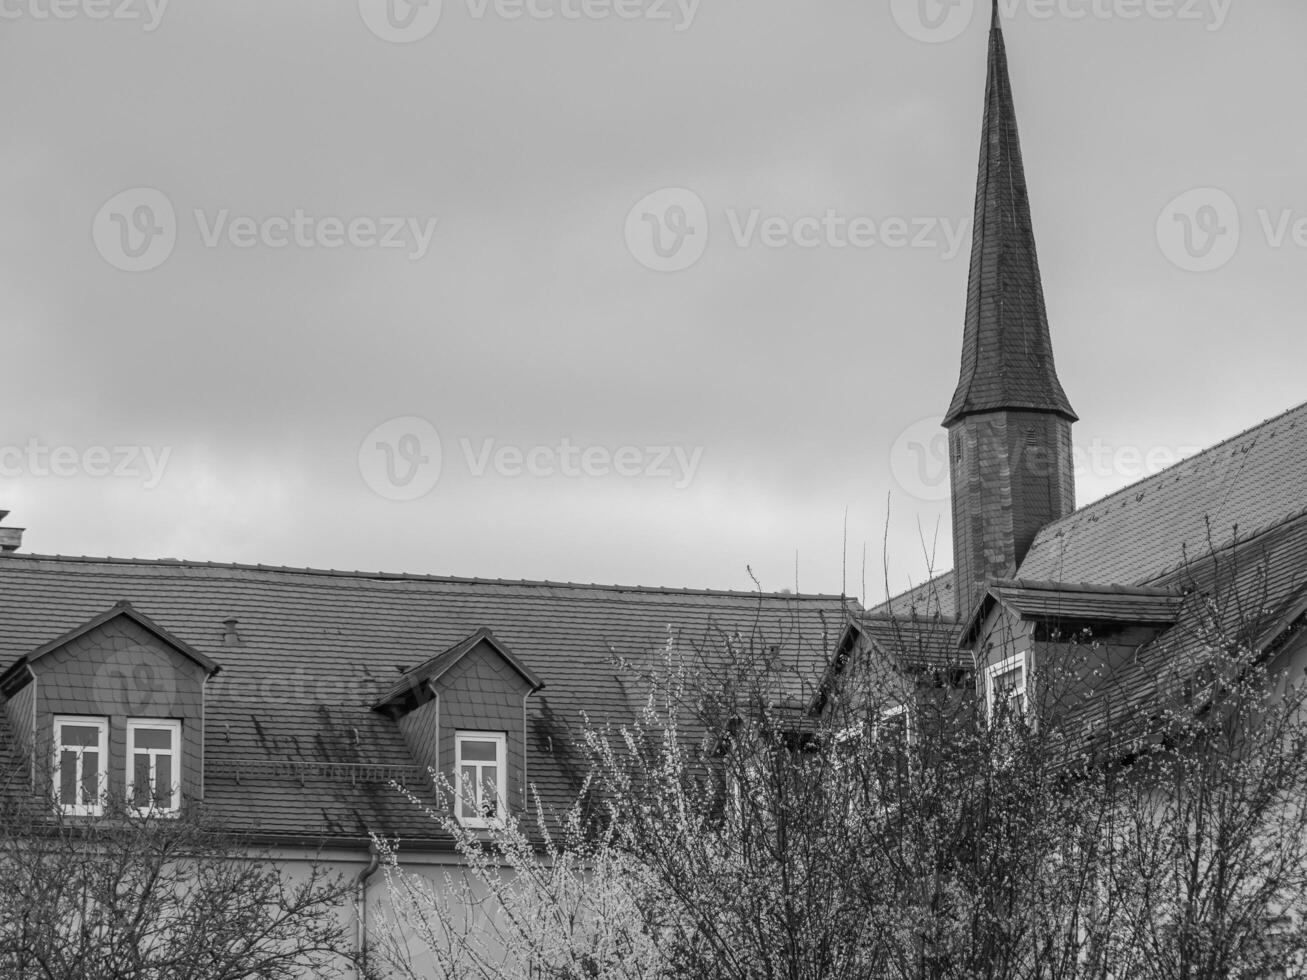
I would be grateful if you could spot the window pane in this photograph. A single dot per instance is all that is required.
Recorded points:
(1009, 681)
(489, 791)
(141, 780)
(163, 781)
(90, 778)
(477, 750)
(153, 738)
(467, 792)
(79, 735)
(67, 778)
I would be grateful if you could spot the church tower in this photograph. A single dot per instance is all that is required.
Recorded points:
(1009, 423)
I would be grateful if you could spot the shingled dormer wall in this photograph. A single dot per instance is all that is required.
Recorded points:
(120, 670)
(478, 690)
(483, 693)
(111, 714)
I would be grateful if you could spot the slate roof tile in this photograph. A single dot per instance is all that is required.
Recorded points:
(294, 699)
(1007, 356)
(1252, 482)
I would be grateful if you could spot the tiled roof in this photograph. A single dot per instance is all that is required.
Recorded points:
(915, 645)
(1254, 481)
(1253, 594)
(1007, 356)
(931, 598)
(1062, 601)
(432, 669)
(292, 746)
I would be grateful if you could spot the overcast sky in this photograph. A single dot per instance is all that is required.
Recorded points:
(351, 285)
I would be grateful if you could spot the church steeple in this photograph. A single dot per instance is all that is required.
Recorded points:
(1007, 357)
(1010, 421)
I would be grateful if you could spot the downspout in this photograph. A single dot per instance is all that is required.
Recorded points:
(361, 910)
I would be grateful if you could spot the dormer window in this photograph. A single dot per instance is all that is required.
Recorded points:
(153, 776)
(99, 712)
(1005, 687)
(894, 733)
(480, 777)
(81, 764)
(463, 715)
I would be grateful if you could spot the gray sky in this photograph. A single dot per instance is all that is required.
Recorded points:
(245, 381)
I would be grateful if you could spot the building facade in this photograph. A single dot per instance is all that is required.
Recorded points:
(286, 701)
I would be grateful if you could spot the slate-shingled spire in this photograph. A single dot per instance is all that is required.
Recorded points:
(1009, 422)
(1007, 358)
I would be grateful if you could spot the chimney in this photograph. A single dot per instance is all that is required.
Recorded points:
(231, 637)
(11, 538)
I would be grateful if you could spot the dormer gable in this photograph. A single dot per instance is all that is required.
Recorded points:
(463, 715)
(111, 711)
(1050, 647)
(1058, 610)
(417, 686)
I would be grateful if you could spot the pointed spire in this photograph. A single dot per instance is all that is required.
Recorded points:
(1007, 357)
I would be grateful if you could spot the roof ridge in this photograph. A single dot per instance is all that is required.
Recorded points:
(1096, 588)
(411, 576)
(1197, 457)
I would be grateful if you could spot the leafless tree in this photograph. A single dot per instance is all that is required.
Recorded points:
(745, 827)
(129, 897)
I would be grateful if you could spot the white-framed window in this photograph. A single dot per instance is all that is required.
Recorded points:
(480, 777)
(895, 723)
(1006, 684)
(81, 764)
(894, 739)
(154, 765)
